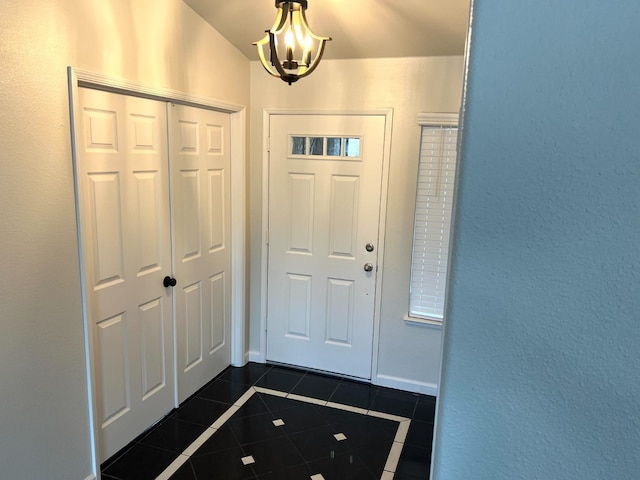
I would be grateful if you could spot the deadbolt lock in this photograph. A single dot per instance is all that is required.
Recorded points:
(369, 247)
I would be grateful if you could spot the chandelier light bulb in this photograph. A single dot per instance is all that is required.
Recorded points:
(289, 41)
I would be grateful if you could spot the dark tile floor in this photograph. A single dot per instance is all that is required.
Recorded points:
(271, 422)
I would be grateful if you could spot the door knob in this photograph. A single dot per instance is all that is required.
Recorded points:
(368, 267)
(169, 282)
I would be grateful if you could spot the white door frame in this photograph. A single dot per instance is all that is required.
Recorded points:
(239, 357)
(266, 123)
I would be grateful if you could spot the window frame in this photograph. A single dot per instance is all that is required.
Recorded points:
(442, 120)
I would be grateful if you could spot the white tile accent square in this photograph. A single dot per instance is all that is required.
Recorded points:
(247, 460)
(340, 436)
(278, 423)
(317, 476)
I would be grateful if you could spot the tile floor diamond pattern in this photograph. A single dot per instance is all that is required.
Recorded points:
(265, 422)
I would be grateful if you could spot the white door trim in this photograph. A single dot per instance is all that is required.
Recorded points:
(266, 121)
(239, 356)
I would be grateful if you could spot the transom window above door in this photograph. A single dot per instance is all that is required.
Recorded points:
(315, 147)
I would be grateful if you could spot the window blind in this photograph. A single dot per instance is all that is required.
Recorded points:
(432, 226)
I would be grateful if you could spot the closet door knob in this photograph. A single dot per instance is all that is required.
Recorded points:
(169, 282)
(368, 267)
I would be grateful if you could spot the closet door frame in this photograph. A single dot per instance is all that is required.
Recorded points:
(239, 356)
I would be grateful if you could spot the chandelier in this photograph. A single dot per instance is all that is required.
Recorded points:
(290, 50)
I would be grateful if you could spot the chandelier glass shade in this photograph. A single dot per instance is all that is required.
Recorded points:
(290, 50)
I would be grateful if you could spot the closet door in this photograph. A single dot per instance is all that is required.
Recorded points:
(123, 187)
(200, 183)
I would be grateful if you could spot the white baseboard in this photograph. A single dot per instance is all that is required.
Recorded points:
(244, 360)
(406, 384)
(257, 357)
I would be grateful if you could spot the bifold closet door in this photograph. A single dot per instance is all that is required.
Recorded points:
(123, 182)
(200, 182)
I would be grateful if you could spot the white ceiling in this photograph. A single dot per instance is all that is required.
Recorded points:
(359, 28)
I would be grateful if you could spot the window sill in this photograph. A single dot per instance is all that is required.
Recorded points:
(423, 322)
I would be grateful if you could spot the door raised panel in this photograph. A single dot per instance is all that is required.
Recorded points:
(144, 133)
(216, 321)
(301, 205)
(148, 214)
(215, 139)
(217, 210)
(340, 299)
(344, 215)
(189, 138)
(113, 363)
(190, 207)
(299, 300)
(193, 323)
(107, 221)
(101, 130)
(152, 344)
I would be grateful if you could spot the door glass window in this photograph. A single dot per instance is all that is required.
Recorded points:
(351, 147)
(316, 145)
(334, 147)
(299, 145)
(347, 148)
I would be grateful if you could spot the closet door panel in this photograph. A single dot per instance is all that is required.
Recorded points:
(200, 163)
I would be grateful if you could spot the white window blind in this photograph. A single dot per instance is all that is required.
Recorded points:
(432, 226)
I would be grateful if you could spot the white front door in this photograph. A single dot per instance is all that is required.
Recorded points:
(200, 182)
(123, 183)
(325, 176)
